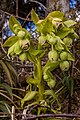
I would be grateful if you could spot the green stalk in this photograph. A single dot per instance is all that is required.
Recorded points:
(52, 47)
(39, 71)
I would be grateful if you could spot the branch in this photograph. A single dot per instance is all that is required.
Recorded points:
(16, 7)
(53, 115)
(45, 8)
(15, 16)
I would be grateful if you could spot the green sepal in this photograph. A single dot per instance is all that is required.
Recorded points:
(64, 32)
(34, 16)
(29, 96)
(37, 52)
(69, 23)
(56, 14)
(32, 81)
(52, 93)
(50, 65)
(10, 41)
(23, 56)
(31, 57)
(12, 22)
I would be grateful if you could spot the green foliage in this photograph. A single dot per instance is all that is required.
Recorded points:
(70, 84)
(55, 33)
(29, 96)
(69, 23)
(34, 16)
(10, 41)
(12, 22)
(7, 72)
(56, 15)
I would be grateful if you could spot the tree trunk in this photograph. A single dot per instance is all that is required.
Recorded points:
(62, 5)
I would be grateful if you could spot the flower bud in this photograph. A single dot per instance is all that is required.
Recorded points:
(64, 55)
(64, 66)
(42, 39)
(21, 34)
(67, 41)
(51, 83)
(53, 55)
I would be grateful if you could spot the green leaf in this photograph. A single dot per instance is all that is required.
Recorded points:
(37, 52)
(47, 27)
(17, 48)
(71, 57)
(50, 65)
(69, 23)
(23, 56)
(29, 96)
(32, 81)
(56, 14)
(70, 84)
(7, 72)
(3, 108)
(42, 54)
(11, 50)
(12, 22)
(31, 57)
(63, 32)
(7, 88)
(10, 41)
(34, 16)
(52, 93)
(11, 68)
(50, 75)
(40, 25)
(76, 35)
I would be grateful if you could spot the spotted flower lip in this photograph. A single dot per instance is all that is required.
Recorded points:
(25, 44)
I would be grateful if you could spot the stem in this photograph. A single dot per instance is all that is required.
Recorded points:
(52, 47)
(39, 71)
(39, 68)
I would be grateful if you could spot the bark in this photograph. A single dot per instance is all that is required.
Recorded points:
(62, 5)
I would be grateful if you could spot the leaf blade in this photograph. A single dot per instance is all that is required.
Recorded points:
(34, 16)
(10, 41)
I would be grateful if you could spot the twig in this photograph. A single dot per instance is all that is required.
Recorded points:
(15, 16)
(26, 18)
(45, 8)
(76, 69)
(33, 117)
(16, 8)
(13, 113)
(53, 115)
